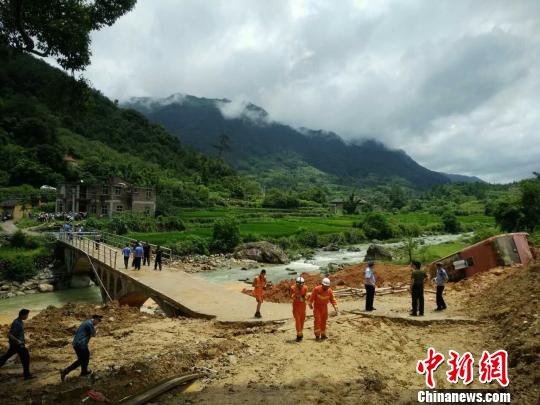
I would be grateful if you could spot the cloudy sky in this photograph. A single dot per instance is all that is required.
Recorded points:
(455, 84)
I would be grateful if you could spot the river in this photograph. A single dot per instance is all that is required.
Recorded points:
(276, 273)
(9, 308)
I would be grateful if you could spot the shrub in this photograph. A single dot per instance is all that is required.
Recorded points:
(451, 223)
(307, 238)
(226, 235)
(20, 240)
(483, 233)
(376, 226)
(170, 224)
(18, 268)
(193, 245)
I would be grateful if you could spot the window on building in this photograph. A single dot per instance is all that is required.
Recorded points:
(93, 209)
(104, 210)
(147, 210)
(105, 189)
(119, 208)
(117, 190)
(148, 194)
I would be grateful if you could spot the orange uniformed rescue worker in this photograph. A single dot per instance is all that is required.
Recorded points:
(318, 301)
(259, 285)
(299, 296)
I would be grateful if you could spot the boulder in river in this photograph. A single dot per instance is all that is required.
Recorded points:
(263, 252)
(332, 247)
(45, 287)
(377, 252)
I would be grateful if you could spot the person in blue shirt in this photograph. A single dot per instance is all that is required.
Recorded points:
(126, 251)
(86, 331)
(139, 252)
(17, 344)
(441, 277)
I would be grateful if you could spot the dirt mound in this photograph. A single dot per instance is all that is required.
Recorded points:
(352, 276)
(509, 298)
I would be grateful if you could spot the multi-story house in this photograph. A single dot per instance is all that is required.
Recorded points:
(105, 199)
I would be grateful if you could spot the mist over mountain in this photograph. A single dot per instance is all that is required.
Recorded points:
(253, 141)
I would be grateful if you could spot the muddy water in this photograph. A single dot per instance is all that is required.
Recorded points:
(9, 308)
(276, 273)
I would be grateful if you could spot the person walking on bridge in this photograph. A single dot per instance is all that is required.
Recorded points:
(157, 259)
(441, 277)
(139, 252)
(86, 331)
(17, 344)
(126, 251)
(259, 285)
(418, 276)
(299, 295)
(319, 299)
(369, 284)
(146, 256)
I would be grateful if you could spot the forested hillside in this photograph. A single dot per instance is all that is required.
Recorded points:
(55, 128)
(278, 153)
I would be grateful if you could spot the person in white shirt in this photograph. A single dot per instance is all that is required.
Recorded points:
(369, 284)
(441, 277)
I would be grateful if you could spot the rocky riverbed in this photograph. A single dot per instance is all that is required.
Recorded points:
(44, 281)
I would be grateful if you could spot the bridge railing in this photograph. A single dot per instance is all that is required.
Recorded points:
(118, 241)
(88, 244)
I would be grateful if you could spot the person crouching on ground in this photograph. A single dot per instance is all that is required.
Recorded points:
(86, 331)
(299, 295)
(418, 278)
(369, 284)
(319, 299)
(259, 285)
(441, 277)
(17, 344)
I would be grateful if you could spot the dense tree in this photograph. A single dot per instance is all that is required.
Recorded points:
(226, 235)
(58, 28)
(350, 204)
(376, 226)
(522, 212)
(450, 222)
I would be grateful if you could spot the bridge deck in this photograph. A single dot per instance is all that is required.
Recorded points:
(207, 298)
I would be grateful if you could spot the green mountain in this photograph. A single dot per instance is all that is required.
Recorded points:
(55, 128)
(278, 153)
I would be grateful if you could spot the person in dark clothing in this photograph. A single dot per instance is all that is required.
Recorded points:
(17, 344)
(418, 277)
(369, 284)
(441, 277)
(157, 259)
(86, 331)
(146, 254)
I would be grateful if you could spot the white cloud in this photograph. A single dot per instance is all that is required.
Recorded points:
(452, 82)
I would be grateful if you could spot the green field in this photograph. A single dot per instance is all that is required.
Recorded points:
(266, 223)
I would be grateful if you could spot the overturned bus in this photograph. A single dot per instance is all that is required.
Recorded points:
(501, 250)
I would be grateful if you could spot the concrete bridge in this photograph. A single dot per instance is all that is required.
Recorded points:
(175, 291)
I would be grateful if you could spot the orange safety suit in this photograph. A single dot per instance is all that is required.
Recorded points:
(299, 296)
(320, 300)
(259, 283)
